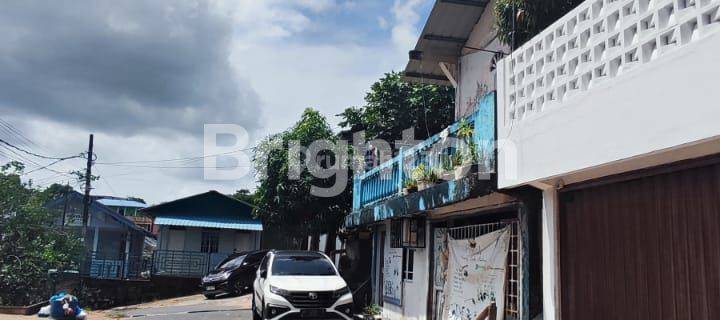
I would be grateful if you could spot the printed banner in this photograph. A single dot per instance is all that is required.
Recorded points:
(392, 276)
(476, 275)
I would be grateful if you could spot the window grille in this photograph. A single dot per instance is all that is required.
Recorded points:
(209, 242)
(512, 284)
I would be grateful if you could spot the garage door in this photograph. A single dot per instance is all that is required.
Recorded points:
(643, 248)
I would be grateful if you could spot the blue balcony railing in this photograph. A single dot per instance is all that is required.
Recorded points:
(389, 178)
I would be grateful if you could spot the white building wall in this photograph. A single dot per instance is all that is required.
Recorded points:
(228, 241)
(607, 86)
(550, 261)
(475, 75)
(415, 292)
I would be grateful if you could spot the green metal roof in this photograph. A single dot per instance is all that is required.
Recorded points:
(210, 222)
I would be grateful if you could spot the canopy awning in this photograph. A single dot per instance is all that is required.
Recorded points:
(442, 40)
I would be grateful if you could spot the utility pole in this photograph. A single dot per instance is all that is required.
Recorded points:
(66, 195)
(88, 177)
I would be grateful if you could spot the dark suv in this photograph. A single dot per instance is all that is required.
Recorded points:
(235, 275)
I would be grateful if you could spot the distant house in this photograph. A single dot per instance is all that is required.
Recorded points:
(129, 208)
(113, 243)
(197, 232)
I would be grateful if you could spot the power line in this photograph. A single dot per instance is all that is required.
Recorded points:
(35, 154)
(16, 132)
(175, 159)
(169, 167)
(47, 167)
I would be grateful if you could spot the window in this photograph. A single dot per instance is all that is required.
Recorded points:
(395, 234)
(302, 265)
(407, 233)
(263, 264)
(209, 242)
(413, 233)
(254, 258)
(232, 264)
(408, 264)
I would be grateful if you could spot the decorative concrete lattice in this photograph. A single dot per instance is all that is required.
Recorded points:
(595, 42)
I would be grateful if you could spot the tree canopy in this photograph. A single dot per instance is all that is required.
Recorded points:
(285, 203)
(287, 206)
(517, 21)
(393, 105)
(30, 244)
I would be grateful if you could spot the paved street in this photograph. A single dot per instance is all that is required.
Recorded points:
(192, 307)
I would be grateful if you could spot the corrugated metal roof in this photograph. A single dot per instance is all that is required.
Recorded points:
(210, 222)
(443, 37)
(122, 203)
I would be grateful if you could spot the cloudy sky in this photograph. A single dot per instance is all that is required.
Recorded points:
(145, 76)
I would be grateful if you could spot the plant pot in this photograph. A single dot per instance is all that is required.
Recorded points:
(464, 170)
(425, 185)
(448, 176)
(407, 191)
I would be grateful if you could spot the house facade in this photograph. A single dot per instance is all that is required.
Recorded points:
(424, 241)
(113, 243)
(605, 175)
(197, 232)
(610, 111)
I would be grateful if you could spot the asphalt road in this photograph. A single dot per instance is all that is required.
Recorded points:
(205, 314)
(196, 307)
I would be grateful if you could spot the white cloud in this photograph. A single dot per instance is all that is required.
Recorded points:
(287, 76)
(317, 5)
(382, 22)
(404, 31)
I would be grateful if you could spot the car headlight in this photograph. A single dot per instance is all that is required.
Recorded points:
(341, 292)
(278, 291)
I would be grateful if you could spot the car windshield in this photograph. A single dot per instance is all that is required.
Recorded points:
(232, 263)
(302, 266)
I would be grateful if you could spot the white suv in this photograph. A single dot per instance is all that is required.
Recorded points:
(300, 285)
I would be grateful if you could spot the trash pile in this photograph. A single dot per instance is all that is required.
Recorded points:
(63, 306)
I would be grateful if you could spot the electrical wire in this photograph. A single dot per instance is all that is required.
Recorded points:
(169, 167)
(15, 131)
(35, 154)
(175, 159)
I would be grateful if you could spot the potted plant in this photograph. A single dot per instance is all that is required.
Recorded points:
(448, 167)
(424, 176)
(372, 311)
(410, 186)
(467, 157)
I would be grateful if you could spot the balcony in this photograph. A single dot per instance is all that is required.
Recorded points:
(388, 190)
(609, 82)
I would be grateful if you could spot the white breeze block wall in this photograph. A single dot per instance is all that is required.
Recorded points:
(611, 80)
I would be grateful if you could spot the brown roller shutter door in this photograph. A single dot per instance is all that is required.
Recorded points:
(643, 248)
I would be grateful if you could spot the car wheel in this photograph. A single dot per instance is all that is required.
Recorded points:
(209, 296)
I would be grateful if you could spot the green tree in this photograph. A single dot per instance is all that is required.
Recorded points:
(517, 21)
(393, 105)
(30, 244)
(285, 204)
(245, 195)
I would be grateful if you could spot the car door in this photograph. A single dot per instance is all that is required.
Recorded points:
(258, 284)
